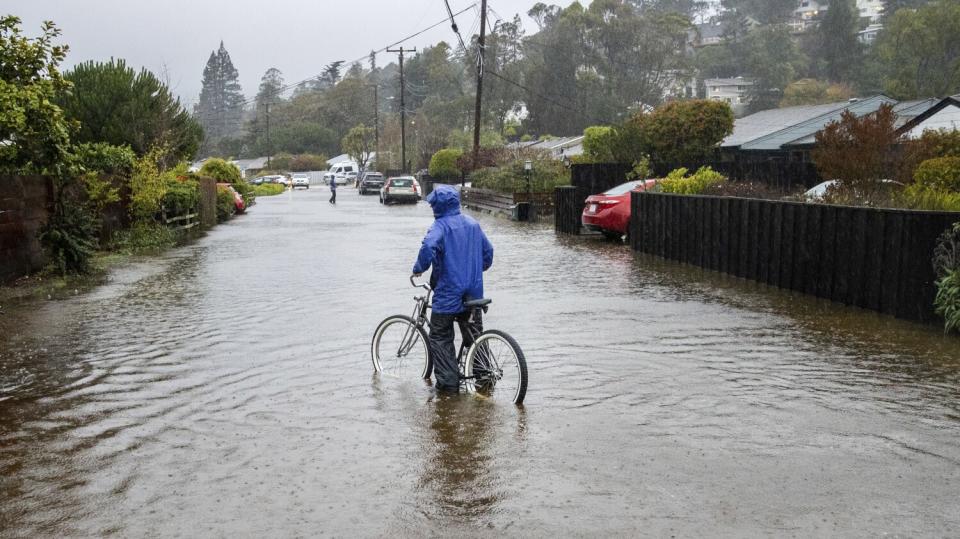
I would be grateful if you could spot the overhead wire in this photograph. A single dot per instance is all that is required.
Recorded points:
(283, 89)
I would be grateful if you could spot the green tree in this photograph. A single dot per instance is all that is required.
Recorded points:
(772, 59)
(271, 87)
(444, 164)
(34, 132)
(221, 170)
(119, 106)
(220, 109)
(358, 144)
(683, 132)
(919, 53)
(763, 11)
(838, 51)
(598, 144)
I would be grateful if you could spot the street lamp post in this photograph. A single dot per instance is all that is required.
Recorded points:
(527, 171)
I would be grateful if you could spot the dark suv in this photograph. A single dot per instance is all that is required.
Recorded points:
(370, 183)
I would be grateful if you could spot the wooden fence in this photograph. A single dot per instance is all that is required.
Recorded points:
(877, 259)
(502, 203)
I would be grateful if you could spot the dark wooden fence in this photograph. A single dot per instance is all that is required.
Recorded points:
(568, 206)
(877, 259)
(591, 179)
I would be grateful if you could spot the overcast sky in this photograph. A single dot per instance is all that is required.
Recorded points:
(298, 37)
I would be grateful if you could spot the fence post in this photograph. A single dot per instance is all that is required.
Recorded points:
(567, 210)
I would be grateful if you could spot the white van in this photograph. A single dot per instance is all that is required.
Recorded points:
(343, 173)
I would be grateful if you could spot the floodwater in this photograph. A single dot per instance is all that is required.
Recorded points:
(226, 390)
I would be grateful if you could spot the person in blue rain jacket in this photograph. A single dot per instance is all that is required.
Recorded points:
(459, 252)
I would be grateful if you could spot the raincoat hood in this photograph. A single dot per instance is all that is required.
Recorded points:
(444, 200)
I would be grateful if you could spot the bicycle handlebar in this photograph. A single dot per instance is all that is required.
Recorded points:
(424, 286)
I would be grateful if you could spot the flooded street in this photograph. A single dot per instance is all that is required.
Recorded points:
(226, 390)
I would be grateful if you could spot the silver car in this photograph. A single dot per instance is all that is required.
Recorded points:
(400, 189)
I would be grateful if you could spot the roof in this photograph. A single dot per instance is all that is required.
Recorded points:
(927, 113)
(342, 158)
(246, 164)
(738, 81)
(770, 121)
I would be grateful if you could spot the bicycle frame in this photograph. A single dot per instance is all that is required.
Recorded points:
(421, 306)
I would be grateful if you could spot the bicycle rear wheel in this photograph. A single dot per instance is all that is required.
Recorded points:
(496, 367)
(400, 349)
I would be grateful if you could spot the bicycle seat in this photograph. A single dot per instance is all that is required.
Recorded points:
(474, 303)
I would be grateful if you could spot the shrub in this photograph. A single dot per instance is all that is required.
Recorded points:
(597, 145)
(225, 204)
(512, 178)
(946, 264)
(679, 183)
(268, 189)
(147, 186)
(306, 162)
(685, 131)
(747, 190)
(70, 235)
(222, 171)
(105, 158)
(182, 195)
(942, 174)
(144, 238)
(919, 197)
(443, 164)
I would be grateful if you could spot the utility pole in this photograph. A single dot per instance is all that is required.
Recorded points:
(269, 142)
(481, 42)
(403, 111)
(376, 121)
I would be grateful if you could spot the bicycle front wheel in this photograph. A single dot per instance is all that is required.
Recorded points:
(496, 367)
(400, 349)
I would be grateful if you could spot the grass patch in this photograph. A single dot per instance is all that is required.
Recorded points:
(268, 189)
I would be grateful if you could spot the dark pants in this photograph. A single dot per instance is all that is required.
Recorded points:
(333, 196)
(446, 369)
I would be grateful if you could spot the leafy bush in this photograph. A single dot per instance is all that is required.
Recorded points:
(641, 169)
(679, 183)
(222, 171)
(919, 197)
(306, 162)
(597, 145)
(443, 164)
(144, 238)
(147, 186)
(268, 189)
(225, 204)
(100, 192)
(70, 235)
(512, 178)
(105, 158)
(946, 264)
(942, 174)
(182, 195)
(684, 131)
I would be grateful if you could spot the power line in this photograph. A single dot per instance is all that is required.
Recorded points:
(287, 87)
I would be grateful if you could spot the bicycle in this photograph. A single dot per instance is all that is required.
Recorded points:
(493, 365)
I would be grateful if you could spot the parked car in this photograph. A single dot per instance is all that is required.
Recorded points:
(370, 183)
(301, 180)
(818, 192)
(238, 202)
(342, 173)
(400, 189)
(258, 180)
(609, 212)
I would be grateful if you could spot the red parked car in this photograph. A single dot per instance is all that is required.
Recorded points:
(609, 212)
(238, 202)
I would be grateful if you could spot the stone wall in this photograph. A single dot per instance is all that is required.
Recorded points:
(24, 207)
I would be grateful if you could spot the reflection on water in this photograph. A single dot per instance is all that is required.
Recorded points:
(225, 391)
(460, 469)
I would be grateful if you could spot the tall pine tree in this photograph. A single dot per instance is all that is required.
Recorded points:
(220, 110)
(839, 52)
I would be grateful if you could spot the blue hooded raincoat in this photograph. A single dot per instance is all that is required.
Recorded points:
(457, 249)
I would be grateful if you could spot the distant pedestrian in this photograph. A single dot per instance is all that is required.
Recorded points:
(333, 191)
